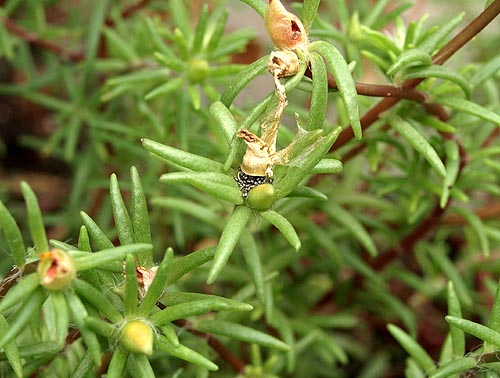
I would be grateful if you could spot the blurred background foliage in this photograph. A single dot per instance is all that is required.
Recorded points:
(83, 81)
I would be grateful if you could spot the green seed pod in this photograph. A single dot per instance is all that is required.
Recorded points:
(137, 337)
(261, 197)
(56, 269)
(198, 70)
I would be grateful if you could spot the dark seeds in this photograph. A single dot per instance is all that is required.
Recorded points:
(247, 182)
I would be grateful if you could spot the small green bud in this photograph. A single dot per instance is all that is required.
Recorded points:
(261, 197)
(198, 70)
(137, 337)
(56, 269)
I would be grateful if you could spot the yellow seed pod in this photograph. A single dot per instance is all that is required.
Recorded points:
(137, 337)
(56, 269)
(261, 197)
(284, 28)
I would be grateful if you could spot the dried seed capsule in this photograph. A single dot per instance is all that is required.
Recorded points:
(247, 182)
(261, 197)
(56, 269)
(283, 63)
(284, 28)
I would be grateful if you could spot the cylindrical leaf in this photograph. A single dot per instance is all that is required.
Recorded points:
(13, 236)
(11, 351)
(97, 299)
(412, 348)
(185, 353)
(345, 82)
(182, 158)
(240, 332)
(319, 96)
(35, 220)
(122, 219)
(230, 235)
(252, 259)
(140, 217)
(98, 259)
(284, 226)
(21, 318)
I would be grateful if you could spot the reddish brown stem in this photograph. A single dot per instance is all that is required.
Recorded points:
(469, 32)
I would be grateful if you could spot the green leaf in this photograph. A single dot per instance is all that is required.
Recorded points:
(218, 185)
(62, 316)
(239, 332)
(307, 192)
(97, 299)
(188, 263)
(98, 236)
(454, 367)
(201, 29)
(454, 309)
(284, 226)
(300, 166)
(319, 95)
(182, 158)
(230, 235)
(97, 19)
(138, 366)
(224, 119)
(180, 14)
(175, 298)
(188, 309)
(117, 363)
(409, 58)
(420, 356)
(13, 236)
(216, 34)
(418, 142)
(452, 168)
(440, 72)
(330, 166)
(202, 212)
(353, 225)
(19, 321)
(449, 269)
(242, 79)
(131, 287)
(494, 322)
(170, 86)
(157, 287)
(345, 82)
(253, 262)
(120, 46)
(106, 256)
(477, 225)
(123, 223)
(23, 289)
(11, 351)
(470, 107)
(185, 353)
(35, 220)
(308, 13)
(475, 329)
(79, 314)
(439, 36)
(140, 217)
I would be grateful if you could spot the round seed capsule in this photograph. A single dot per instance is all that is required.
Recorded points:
(261, 197)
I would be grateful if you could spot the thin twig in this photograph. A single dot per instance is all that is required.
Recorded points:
(465, 35)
